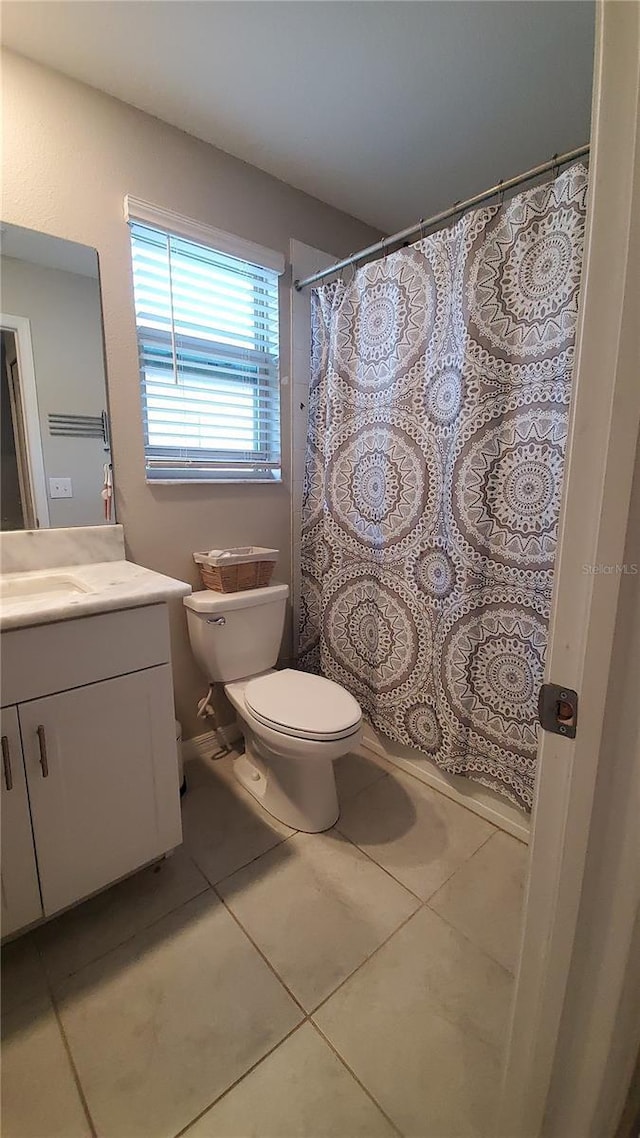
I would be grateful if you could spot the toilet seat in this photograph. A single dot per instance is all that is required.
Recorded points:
(303, 705)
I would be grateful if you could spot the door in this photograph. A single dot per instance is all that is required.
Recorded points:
(26, 420)
(103, 781)
(578, 980)
(21, 902)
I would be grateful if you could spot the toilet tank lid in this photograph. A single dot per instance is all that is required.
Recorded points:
(208, 601)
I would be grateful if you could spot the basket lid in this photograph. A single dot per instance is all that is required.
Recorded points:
(240, 555)
(208, 601)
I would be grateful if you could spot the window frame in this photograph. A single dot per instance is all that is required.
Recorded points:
(209, 467)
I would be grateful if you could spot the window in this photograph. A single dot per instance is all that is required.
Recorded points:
(207, 324)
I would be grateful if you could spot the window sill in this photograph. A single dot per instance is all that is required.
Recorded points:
(214, 481)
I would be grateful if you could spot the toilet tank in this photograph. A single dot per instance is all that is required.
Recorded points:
(234, 635)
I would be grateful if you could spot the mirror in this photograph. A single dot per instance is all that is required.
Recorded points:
(54, 449)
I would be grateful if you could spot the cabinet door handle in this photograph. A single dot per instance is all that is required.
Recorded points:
(6, 762)
(44, 761)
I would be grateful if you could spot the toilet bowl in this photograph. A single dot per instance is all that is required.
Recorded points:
(294, 724)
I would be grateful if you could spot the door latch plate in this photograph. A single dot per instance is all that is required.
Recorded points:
(558, 710)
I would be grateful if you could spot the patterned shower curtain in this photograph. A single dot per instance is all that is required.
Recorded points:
(438, 414)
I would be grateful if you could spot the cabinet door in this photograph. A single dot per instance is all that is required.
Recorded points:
(21, 902)
(103, 782)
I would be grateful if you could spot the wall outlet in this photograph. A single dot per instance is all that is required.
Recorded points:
(60, 488)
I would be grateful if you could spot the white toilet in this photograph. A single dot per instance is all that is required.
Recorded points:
(294, 724)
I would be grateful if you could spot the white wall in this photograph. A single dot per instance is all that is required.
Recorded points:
(66, 335)
(70, 155)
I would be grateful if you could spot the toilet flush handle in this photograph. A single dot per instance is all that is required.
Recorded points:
(216, 620)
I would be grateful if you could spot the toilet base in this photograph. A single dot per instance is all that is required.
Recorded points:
(299, 791)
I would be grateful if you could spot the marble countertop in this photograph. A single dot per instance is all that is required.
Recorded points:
(27, 550)
(65, 592)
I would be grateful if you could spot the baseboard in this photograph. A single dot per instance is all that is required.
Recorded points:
(203, 746)
(482, 801)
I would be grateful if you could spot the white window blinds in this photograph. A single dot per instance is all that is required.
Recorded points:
(207, 326)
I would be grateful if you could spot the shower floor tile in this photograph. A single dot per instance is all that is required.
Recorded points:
(277, 984)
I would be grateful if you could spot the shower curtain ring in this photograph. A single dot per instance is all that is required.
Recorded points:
(338, 272)
(556, 165)
(421, 224)
(501, 193)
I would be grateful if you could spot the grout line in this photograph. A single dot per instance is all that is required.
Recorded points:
(457, 869)
(67, 1047)
(465, 936)
(213, 884)
(441, 1011)
(262, 954)
(396, 880)
(365, 961)
(210, 886)
(227, 1090)
(272, 968)
(207, 888)
(355, 1077)
(497, 1047)
(352, 797)
(372, 760)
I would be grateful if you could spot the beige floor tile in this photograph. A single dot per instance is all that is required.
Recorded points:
(39, 1094)
(484, 898)
(317, 907)
(417, 834)
(449, 974)
(161, 1026)
(223, 827)
(112, 917)
(23, 976)
(354, 771)
(301, 1090)
(420, 1024)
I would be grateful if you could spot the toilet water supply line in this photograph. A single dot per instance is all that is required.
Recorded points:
(206, 710)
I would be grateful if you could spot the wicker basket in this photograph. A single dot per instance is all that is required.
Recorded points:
(234, 570)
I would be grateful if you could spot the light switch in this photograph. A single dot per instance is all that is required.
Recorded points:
(60, 488)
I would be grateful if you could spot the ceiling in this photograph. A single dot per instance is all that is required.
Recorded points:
(388, 110)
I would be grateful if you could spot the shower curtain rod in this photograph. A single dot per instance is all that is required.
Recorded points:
(383, 245)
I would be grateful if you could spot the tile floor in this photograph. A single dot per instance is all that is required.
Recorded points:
(263, 983)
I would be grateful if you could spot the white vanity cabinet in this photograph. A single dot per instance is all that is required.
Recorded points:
(21, 904)
(90, 786)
